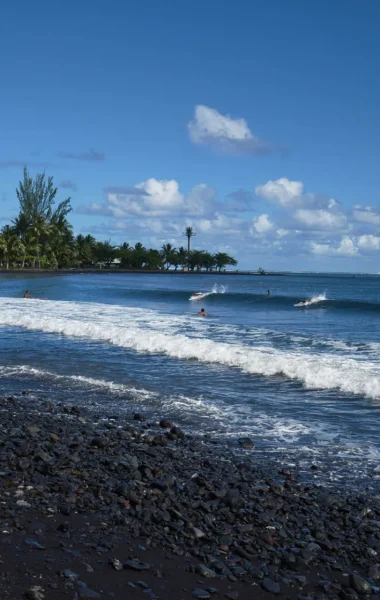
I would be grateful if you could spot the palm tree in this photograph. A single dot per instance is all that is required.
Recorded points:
(12, 248)
(168, 253)
(21, 227)
(182, 257)
(189, 233)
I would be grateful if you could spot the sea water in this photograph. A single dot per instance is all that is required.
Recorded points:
(303, 381)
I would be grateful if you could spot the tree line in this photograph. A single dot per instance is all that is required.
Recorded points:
(41, 237)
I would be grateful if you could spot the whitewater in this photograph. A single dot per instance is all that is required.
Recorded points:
(304, 384)
(148, 331)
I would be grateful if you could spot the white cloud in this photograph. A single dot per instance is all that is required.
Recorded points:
(261, 224)
(366, 215)
(320, 219)
(290, 194)
(346, 248)
(282, 192)
(369, 242)
(282, 232)
(211, 127)
(155, 198)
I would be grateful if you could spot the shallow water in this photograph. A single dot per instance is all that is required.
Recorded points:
(303, 382)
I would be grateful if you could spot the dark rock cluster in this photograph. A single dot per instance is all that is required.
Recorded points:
(125, 490)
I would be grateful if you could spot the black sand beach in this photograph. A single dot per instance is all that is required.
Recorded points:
(124, 508)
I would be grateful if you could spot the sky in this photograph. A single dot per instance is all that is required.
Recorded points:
(256, 122)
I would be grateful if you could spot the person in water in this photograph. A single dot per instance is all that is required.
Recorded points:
(202, 313)
(26, 295)
(268, 293)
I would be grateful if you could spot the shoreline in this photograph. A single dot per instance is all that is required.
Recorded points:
(137, 271)
(123, 507)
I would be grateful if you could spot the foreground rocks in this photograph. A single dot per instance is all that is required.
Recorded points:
(126, 508)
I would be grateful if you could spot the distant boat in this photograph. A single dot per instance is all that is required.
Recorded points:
(261, 271)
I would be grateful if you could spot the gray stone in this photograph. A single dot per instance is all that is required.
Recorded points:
(70, 574)
(205, 571)
(199, 593)
(136, 565)
(35, 593)
(359, 584)
(374, 573)
(271, 586)
(116, 564)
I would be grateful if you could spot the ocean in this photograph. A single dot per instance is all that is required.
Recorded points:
(302, 382)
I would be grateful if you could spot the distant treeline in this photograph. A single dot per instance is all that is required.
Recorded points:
(41, 237)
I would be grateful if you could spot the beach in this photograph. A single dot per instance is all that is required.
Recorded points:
(149, 453)
(96, 507)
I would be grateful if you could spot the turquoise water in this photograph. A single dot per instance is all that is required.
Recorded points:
(303, 382)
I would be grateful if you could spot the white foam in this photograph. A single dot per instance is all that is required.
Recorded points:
(150, 331)
(313, 300)
(118, 388)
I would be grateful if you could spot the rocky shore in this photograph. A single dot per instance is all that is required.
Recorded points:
(123, 508)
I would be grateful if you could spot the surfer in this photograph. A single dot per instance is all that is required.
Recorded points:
(26, 295)
(202, 313)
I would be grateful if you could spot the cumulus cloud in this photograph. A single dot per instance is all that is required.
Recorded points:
(261, 224)
(282, 191)
(154, 198)
(290, 194)
(368, 242)
(90, 156)
(320, 218)
(232, 135)
(346, 247)
(366, 215)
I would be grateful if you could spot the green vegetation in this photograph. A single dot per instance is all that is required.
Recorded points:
(41, 237)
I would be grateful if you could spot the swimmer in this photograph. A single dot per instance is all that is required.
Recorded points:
(268, 293)
(202, 313)
(26, 295)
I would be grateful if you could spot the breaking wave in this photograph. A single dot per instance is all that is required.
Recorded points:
(149, 331)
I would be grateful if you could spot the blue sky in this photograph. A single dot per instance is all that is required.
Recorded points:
(257, 123)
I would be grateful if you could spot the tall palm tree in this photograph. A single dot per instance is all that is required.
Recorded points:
(189, 233)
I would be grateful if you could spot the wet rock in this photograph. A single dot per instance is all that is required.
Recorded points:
(136, 565)
(138, 417)
(166, 424)
(232, 595)
(36, 592)
(33, 430)
(271, 586)
(197, 533)
(374, 573)
(233, 500)
(359, 584)
(205, 571)
(84, 591)
(116, 564)
(201, 594)
(34, 544)
(70, 574)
